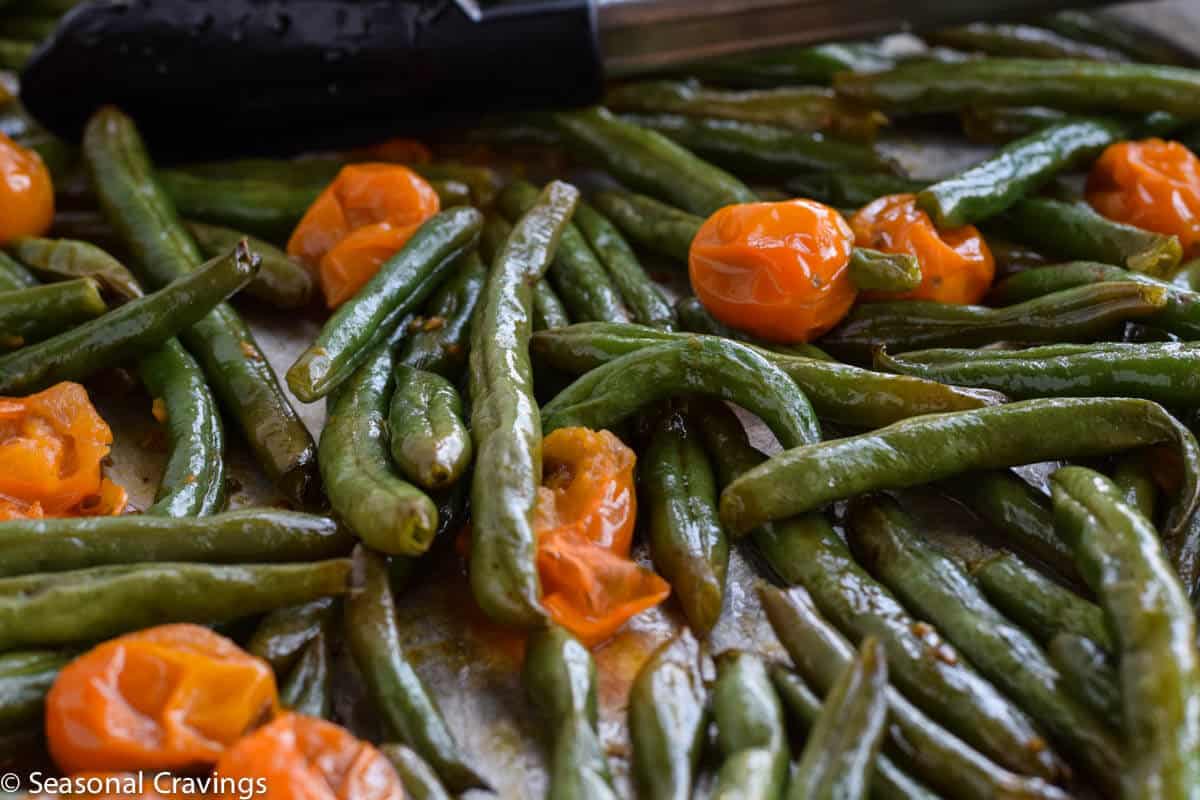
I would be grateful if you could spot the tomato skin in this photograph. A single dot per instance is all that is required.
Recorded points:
(779, 270)
(585, 516)
(169, 697)
(52, 444)
(303, 758)
(362, 218)
(1151, 184)
(956, 264)
(26, 192)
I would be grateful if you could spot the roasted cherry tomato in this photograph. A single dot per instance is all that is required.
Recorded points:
(585, 515)
(777, 270)
(368, 213)
(956, 264)
(26, 192)
(171, 697)
(302, 758)
(51, 447)
(1150, 184)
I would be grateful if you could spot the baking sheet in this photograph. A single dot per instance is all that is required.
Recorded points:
(471, 666)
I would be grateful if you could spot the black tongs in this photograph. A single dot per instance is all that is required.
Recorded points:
(213, 76)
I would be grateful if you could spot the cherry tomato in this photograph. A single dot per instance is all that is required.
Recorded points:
(387, 202)
(170, 697)
(584, 519)
(956, 264)
(26, 192)
(302, 758)
(51, 447)
(1150, 184)
(776, 270)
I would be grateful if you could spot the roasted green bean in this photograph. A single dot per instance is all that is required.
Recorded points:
(667, 720)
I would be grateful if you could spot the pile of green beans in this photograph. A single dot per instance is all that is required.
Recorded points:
(1035, 642)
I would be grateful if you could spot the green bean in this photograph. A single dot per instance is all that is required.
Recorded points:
(1003, 124)
(1019, 40)
(1078, 314)
(1018, 512)
(1137, 42)
(193, 479)
(1075, 231)
(1181, 314)
(650, 162)
(86, 605)
(384, 511)
(759, 149)
(694, 318)
(235, 537)
(32, 315)
(641, 295)
(266, 207)
(281, 282)
(440, 345)
(701, 364)
(650, 224)
(282, 635)
(430, 442)
(887, 272)
(667, 720)
(548, 309)
(839, 392)
(678, 500)
(366, 320)
(1133, 476)
(1153, 626)
(67, 258)
(1019, 169)
(25, 678)
(1088, 674)
(798, 108)
(887, 781)
(807, 64)
(842, 746)
(1038, 604)
(559, 677)
(1060, 83)
(850, 190)
(484, 183)
(127, 331)
(312, 171)
(505, 424)
(886, 542)
(400, 698)
(1161, 371)
(419, 779)
(14, 275)
(576, 273)
(308, 689)
(750, 730)
(900, 456)
(238, 372)
(949, 765)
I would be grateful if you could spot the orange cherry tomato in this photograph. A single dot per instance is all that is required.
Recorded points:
(170, 697)
(956, 264)
(26, 192)
(777, 270)
(1150, 184)
(51, 447)
(302, 758)
(387, 202)
(584, 520)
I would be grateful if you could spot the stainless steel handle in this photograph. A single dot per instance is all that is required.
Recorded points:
(641, 35)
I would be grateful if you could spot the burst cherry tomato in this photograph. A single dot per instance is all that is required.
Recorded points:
(776, 270)
(956, 264)
(1151, 184)
(26, 192)
(368, 213)
(51, 447)
(302, 758)
(586, 510)
(171, 697)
